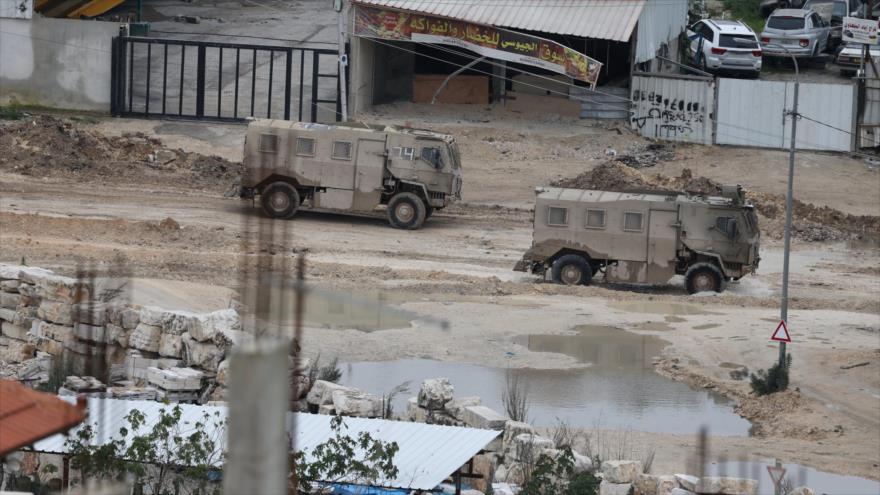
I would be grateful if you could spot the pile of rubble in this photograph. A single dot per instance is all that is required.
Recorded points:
(45, 146)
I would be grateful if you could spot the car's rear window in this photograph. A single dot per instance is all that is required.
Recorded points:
(785, 23)
(738, 41)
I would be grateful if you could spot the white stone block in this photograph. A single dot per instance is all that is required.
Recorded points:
(621, 471)
(204, 327)
(687, 481)
(145, 337)
(482, 417)
(665, 484)
(203, 355)
(608, 488)
(455, 407)
(56, 312)
(528, 446)
(175, 379)
(170, 345)
(435, 393)
(9, 300)
(358, 404)
(89, 333)
(13, 331)
(724, 485)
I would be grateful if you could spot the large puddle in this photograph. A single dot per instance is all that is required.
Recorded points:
(797, 475)
(618, 389)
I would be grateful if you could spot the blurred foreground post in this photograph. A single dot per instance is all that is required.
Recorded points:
(257, 456)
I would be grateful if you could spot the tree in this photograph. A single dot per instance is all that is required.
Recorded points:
(556, 476)
(171, 457)
(362, 460)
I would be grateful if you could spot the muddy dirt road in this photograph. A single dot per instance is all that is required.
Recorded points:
(460, 301)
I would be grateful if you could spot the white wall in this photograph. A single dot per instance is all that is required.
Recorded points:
(16, 9)
(62, 63)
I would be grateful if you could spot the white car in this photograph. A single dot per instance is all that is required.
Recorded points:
(722, 45)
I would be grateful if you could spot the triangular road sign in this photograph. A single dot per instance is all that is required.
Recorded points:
(781, 333)
(776, 474)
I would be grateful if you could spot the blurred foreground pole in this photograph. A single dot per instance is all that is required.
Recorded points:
(257, 445)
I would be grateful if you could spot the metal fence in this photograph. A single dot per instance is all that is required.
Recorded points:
(673, 107)
(223, 81)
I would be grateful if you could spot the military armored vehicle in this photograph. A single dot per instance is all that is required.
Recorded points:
(643, 237)
(351, 168)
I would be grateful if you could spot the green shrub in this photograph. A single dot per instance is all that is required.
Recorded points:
(773, 380)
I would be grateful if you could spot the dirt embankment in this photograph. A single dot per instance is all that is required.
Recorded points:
(45, 146)
(810, 222)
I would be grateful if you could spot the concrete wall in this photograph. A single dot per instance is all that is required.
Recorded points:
(62, 63)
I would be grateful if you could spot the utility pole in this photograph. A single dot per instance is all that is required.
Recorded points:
(343, 58)
(789, 200)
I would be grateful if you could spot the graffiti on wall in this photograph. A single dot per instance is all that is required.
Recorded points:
(663, 116)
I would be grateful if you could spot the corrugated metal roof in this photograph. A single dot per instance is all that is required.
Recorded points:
(428, 453)
(602, 19)
(27, 416)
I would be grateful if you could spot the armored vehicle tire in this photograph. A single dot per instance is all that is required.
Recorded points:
(406, 211)
(703, 277)
(571, 269)
(279, 200)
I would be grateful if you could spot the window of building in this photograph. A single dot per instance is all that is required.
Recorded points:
(305, 146)
(557, 216)
(341, 150)
(596, 219)
(269, 143)
(403, 153)
(632, 221)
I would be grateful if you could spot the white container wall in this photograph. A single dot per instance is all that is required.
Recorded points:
(753, 113)
(673, 108)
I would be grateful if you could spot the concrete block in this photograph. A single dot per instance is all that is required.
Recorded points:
(322, 392)
(55, 287)
(170, 345)
(621, 471)
(724, 485)
(435, 393)
(527, 446)
(45, 330)
(84, 384)
(16, 351)
(175, 379)
(205, 356)
(50, 346)
(356, 403)
(89, 333)
(512, 429)
(483, 417)
(665, 484)
(173, 322)
(145, 337)
(7, 314)
(9, 300)
(56, 312)
(117, 335)
(222, 377)
(132, 393)
(13, 331)
(645, 484)
(91, 314)
(455, 407)
(9, 285)
(129, 318)
(608, 488)
(687, 481)
(204, 327)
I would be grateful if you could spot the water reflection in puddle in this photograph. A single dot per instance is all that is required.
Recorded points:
(609, 395)
(820, 482)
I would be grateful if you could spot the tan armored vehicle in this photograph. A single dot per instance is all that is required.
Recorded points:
(643, 238)
(356, 169)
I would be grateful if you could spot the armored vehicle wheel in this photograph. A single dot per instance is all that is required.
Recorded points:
(279, 200)
(406, 211)
(703, 277)
(571, 269)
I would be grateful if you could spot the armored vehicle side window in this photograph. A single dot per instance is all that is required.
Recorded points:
(727, 226)
(632, 221)
(595, 219)
(305, 146)
(557, 216)
(403, 153)
(433, 156)
(341, 150)
(269, 143)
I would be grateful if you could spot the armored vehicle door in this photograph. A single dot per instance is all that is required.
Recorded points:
(662, 241)
(369, 174)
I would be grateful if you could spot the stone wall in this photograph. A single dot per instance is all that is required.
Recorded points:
(149, 352)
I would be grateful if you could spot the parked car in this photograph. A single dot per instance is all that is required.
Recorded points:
(850, 58)
(768, 6)
(803, 33)
(722, 45)
(833, 12)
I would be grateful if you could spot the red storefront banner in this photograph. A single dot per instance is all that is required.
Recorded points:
(486, 40)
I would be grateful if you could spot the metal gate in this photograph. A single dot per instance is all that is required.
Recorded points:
(223, 81)
(673, 107)
(756, 113)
